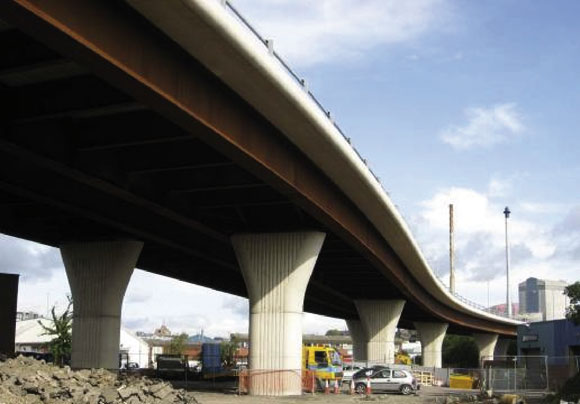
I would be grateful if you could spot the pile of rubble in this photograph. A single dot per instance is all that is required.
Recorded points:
(26, 380)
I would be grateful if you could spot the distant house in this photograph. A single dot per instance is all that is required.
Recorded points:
(30, 337)
(544, 297)
(200, 339)
(137, 349)
(501, 308)
(162, 332)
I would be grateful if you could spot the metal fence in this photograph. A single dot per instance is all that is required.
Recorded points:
(515, 373)
(561, 368)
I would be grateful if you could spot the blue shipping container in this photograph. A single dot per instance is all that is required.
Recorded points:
(211, 358)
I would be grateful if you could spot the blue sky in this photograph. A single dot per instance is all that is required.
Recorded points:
(473, 103)
(395, 100)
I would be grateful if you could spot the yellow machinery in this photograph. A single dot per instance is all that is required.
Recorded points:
(403, 358)
(324, 361)
(460, 381)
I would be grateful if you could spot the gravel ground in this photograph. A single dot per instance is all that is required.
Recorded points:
(208, 392)
(28, 381)
(204, 394)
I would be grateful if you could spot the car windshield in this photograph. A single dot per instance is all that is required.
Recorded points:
(336, 359)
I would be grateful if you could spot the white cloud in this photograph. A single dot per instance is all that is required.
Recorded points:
(499, 187)
(549, 250)
(311, 32)
(485, 127)
(34, 262)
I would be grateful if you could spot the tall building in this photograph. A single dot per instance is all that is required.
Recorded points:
(543, 296)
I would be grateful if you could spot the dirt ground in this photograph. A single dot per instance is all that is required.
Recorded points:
(226, 393)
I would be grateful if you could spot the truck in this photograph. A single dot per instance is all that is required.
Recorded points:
(171, 367)
(324, 361)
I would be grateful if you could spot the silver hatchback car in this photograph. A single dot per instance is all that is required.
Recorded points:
(387, 380)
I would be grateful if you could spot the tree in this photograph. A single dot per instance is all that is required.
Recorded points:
(573, 311)
(228, 351)
(61, 344)
(178, 344)
(334, 333)
(460, 351)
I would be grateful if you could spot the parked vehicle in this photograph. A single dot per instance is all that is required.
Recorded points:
(171, 366)
(131, 366)
(386, 380)
(348, 372)
(368, 371)
(324, 361)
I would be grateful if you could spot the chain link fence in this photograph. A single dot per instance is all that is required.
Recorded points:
(511, 374)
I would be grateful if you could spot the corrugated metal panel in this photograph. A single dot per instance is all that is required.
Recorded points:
(8, 301)
(211, 358)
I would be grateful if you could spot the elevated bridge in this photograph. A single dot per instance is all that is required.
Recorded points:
(164, 135)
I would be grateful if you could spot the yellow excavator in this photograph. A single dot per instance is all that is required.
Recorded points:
(403, 358)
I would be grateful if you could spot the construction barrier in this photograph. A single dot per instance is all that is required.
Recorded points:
(424, 378)
(273, 382)
(458, 381)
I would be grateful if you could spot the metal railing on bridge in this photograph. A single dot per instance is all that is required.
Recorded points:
(474, 304)
(302, 82)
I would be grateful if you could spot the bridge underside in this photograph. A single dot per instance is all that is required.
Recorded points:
(84, 159)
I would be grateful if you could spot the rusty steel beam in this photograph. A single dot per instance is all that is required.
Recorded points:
(120, 47)
(38, 179)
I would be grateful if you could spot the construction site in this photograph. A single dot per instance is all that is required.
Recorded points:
(160, 160)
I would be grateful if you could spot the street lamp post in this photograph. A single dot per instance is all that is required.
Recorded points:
(507, 212)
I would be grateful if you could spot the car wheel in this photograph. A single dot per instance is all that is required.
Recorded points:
(406, 389)
(360, 388)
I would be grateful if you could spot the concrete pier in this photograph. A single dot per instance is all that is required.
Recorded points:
(502, 346)
(359, 339)
(432, 336)
(276, 269)
(8, 302)
(486, 344)
(379, 319)
(98, 274)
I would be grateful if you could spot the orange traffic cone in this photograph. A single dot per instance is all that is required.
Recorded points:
(326, 388)
(336, 387)
(368, 392)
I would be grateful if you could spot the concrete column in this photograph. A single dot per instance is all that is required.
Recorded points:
(379, 319)
(501, 348)
(8, 302)
(486, 344)
(276, 269)
(98, 274)
(359, 339)
(431, 335)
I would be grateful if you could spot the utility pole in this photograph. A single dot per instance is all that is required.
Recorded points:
(507, 212)
(451, 252)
